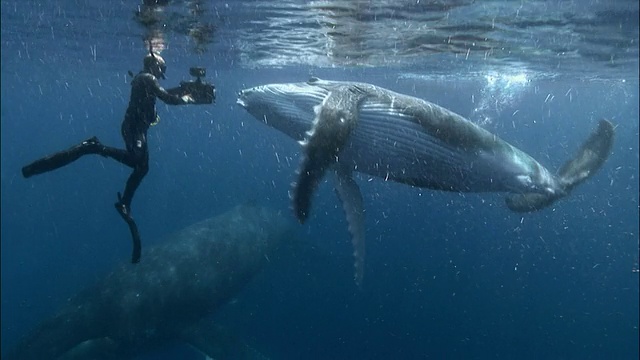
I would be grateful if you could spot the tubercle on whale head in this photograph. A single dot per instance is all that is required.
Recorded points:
(243, 97)
(251, 91)
(254, 100)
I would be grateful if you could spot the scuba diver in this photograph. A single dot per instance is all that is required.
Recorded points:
(141, 113)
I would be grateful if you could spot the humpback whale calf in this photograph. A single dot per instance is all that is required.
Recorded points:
(353, 126)
(166, 296)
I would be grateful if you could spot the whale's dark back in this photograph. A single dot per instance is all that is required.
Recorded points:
(195, 271)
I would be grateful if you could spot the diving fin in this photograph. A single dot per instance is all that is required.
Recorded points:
(62, 158)
(124, 212)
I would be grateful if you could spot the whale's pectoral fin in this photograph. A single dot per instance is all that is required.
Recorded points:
(218, 342)
(593, 153)
(351, 199)
(335, 119)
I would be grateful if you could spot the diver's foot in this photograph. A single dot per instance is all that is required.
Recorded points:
(94, 144)
(122, 208)
(91, 141)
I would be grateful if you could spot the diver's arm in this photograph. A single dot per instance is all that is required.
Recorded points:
(165, 96)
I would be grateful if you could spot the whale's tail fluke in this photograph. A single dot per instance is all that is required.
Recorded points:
(593, 153)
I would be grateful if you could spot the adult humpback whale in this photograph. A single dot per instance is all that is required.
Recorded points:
(166, 296)
(351, 126)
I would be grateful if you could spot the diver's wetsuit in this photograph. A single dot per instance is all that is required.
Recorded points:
(141, 113)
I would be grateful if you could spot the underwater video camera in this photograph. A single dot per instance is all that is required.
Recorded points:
(201, 91)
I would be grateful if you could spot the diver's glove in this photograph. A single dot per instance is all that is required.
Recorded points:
(187, 99)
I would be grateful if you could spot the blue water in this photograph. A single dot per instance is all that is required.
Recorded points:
(447, 275)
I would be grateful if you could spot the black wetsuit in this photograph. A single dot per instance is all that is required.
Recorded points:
(141, 113)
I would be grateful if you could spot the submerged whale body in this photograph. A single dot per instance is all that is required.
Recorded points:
(352, 126)
(165, 297)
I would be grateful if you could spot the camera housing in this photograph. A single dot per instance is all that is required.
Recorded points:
(201, 91)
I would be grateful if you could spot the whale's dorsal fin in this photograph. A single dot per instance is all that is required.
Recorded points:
(335, 118)
(351, 199)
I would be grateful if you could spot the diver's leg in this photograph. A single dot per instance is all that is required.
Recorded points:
(134, 140)
(62, 158)
(123, 210)
(137, 157)
(139, 154)
(120, 155)
(139, 172)
(123, 205)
